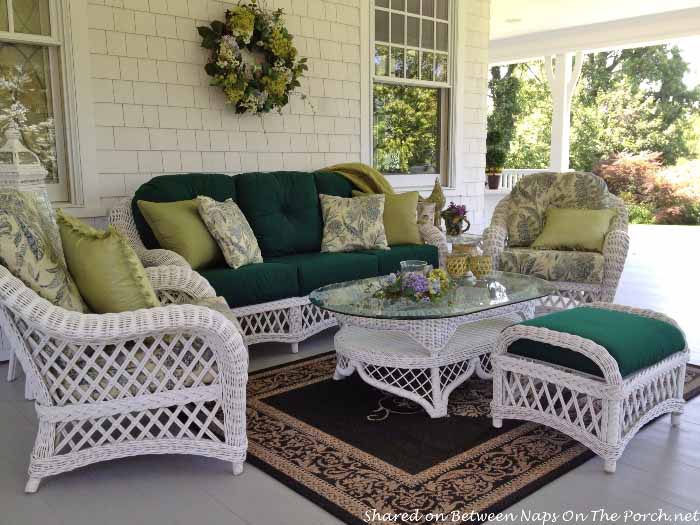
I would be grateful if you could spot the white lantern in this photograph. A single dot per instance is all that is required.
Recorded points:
(20, 168)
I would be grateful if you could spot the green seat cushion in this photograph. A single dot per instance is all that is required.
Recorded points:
(171, 188)
(253, 283)
(283, 210)
(319, 269)
(331, 183)
(635, 342)
(390, 260)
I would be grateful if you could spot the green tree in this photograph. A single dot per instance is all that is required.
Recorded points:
(504, 90)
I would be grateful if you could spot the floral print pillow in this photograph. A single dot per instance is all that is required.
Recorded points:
(229, 227)
(32, 254)
(353, 224)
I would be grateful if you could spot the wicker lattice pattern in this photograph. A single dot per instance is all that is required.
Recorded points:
(569, 293)
(158, 381)
(603, 414)
(288, 320)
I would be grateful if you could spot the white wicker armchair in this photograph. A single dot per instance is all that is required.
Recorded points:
(168, 380)
(528, 203)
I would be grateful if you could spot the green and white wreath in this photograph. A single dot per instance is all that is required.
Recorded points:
(252, 58)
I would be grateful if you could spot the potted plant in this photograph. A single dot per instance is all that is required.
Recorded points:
(495, 158)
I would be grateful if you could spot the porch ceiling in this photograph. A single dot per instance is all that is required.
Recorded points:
(511, 18)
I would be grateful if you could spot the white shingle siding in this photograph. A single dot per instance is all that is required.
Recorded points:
(156, 113)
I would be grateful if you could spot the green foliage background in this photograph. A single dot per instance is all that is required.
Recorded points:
(627, 101)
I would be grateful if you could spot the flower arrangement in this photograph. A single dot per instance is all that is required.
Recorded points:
(415, 286)
(253, 59)
(455, 215)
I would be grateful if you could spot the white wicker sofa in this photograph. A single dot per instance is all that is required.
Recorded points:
(289, 319)
(167, 380)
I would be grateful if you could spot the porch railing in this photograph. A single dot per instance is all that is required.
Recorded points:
(510, 177)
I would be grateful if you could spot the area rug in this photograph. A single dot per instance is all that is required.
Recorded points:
(364, 455)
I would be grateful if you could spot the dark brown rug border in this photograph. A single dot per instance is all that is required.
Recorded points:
(500, 506)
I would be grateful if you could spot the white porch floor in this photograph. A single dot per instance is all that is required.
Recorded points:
(660, 468)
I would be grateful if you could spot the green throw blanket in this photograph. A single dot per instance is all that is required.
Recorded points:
(369, 180)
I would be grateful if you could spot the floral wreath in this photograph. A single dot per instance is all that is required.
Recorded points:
(252, 58)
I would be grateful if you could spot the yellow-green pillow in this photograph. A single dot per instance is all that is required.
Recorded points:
(178, 227)
(400, 218)
(574, 229)
(105, 267)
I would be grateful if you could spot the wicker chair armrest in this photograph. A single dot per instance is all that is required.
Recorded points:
(615, 250)
(161, 257)
(432, 235)
(596, 353)
(495, 239)
(178, 285)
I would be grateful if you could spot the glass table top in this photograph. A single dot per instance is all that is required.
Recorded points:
(466, 296)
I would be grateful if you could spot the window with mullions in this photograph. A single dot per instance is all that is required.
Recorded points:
(30, 85)
(411, 86)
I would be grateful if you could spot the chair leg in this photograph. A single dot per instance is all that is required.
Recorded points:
(237, 469)
(610, 466)
(12, 367)
(497, 422)
(32, 485)
(676, 418)
(295, 348)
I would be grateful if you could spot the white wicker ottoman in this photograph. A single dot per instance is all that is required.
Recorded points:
(575, 385)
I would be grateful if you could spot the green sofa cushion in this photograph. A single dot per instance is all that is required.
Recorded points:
(283, 209)
(182, 187)
(390, 260)
(254, 283)
(331, 183)
(319, 269)
(635, 342)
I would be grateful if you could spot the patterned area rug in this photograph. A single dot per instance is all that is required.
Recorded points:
(351, 448)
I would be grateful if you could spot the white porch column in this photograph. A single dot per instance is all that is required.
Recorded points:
(562, 81)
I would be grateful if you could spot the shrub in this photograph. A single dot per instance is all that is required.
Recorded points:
(652, 193)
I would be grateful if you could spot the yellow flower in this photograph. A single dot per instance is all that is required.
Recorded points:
(242, 22)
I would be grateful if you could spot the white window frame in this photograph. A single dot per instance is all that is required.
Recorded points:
(449, 132)
(69, 63)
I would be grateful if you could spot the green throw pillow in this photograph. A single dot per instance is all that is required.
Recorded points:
(105, 267)
(400, 218)
(178, 227)
(574, 229)
(353, 224)
(31, 253)
(230, 228)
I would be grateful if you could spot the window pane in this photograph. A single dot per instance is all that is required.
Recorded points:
(397, 62)
(441, 68)
(381, 60)
(413, 31)
(381, 26)
(25, 96)
(32, 16)
(3, 16)
(411, 63)
(442, 9)
(413, 6)
(428, 34)
(426, 66)
(398, 5)
(406, 129)
(397, 22)
(442, 36)
(428, 8)
(381, 3)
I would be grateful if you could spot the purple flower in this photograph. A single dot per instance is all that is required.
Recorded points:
(415, 281)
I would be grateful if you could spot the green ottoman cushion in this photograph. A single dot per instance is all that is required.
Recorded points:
(183, 187)
(390, 260)
(634, 341)
(319, 269)
(253, 283)
(283, 210)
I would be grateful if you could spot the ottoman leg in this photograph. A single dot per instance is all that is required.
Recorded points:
(610, 466)
(676, 418)
(497, 422)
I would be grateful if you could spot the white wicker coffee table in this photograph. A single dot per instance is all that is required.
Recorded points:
(423, 351)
